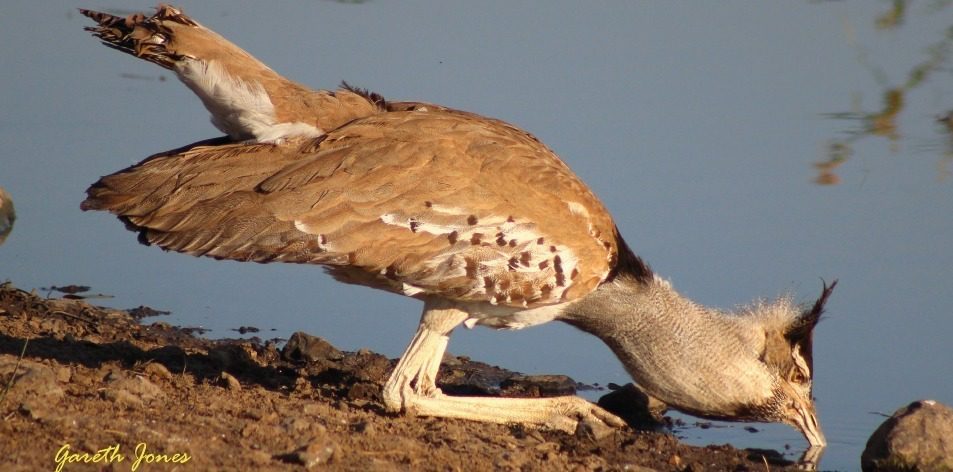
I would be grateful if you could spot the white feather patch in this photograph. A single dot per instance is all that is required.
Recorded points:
(241, 109)
(578, 209)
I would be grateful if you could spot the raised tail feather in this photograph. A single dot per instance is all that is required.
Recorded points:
(141, 36)
(247, 99)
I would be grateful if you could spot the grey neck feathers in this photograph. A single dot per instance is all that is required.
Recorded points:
(699, 360)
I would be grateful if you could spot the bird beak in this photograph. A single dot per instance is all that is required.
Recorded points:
(805, 419)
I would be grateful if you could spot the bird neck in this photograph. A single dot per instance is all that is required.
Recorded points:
(697, 359)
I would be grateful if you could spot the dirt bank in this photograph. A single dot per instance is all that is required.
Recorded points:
(97, 380)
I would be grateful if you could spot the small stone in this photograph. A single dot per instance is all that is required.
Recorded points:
(364, 392)
(112, 374)
(633, 405)
(367, 366)
(295, 425)
(63, 374)
(303, 386)
(123, 397)
(304, 347)
(248, 430)
(157, 371)
(230, 356)
(362, 427)
(918, 436)
(594, 462)
(34, 390)
(34, 409)
(144, 312)
(133, 391)
(317, 452)
(546, 447)
(231, 382)
(637, 468)
(259, 457)
(538, 385)
(450, 360)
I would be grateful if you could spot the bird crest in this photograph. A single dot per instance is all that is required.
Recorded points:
(799, 334)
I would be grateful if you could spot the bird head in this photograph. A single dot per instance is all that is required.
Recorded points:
(788, 356)
(755, 364)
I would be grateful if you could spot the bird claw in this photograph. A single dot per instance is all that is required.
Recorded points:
(593, 430)
(591, 420)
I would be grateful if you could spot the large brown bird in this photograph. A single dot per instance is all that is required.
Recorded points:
(471, 215)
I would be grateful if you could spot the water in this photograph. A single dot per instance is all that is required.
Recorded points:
(701, 126)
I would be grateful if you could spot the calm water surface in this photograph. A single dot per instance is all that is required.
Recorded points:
(746, 150)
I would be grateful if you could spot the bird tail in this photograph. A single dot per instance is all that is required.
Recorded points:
(164, 38)
(247, 99)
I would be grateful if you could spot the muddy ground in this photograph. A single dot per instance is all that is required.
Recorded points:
(100, 380)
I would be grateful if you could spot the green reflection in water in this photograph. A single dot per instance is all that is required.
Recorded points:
(883, 121)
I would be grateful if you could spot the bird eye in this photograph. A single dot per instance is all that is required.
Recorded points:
(797, 376)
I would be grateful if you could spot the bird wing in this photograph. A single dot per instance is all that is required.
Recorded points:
(431, 202)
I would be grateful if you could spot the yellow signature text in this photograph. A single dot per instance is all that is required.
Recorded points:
(113, 454)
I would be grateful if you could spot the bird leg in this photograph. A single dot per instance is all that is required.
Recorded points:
(416, 371)
(412, 389)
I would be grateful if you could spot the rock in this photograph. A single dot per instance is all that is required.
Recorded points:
(633, 405)
(538, 385)
(304, 347)
(142, 311)
(293, 425)
(132, 391)
(259, 457)
(34, 390)
(450, 360)
(362, 427)
(123, 397)
(638, 468)
(363, 392)
(367, 366)
(317, 452)
(231, 382)
(235, 357)
(918, 437)
(63, 374)
(156, 370)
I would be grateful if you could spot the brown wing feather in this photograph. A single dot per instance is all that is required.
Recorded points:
(418, 202)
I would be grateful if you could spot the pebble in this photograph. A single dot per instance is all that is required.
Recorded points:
(157, 371)
(540, 385)
(304, 347)
(132, 391)
(633, 405)
(318, 452)
(34, 391)
(231, 382)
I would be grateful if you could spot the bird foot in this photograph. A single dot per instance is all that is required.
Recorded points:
(411, 389)
(570, 414)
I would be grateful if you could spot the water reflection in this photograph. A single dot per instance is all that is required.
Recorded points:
(883, 121)
(811, 458)
(7, 215)
(946, 125)
(893, 17)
